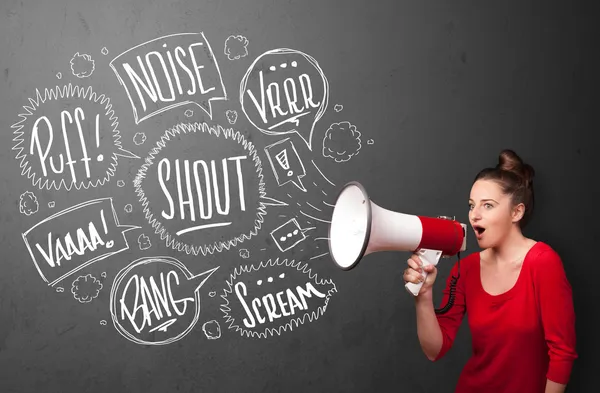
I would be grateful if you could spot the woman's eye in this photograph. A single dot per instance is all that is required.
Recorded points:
(488, 205)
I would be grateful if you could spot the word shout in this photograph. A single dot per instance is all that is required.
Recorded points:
(196, 189)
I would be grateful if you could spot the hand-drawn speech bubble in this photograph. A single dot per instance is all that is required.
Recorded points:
(202, 188)
(286, 163)
(284, 91)
(74, 238)
(276, 295)
(168, 72)
(68, 136)
(156, 301)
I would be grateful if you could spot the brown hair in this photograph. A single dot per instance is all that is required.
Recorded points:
(515, 177)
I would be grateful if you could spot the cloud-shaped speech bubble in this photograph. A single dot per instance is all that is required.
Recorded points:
(144, 242)
(203, 179)
(156, 300)
(284, 91)
(82, 66)
(86, 288)
(74, 238)
(236, 47)
(168, 72)
(68, 137)
(341, 141)
(275, 296)
(28, 203)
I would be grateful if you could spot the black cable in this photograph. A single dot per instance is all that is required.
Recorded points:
(450, 303)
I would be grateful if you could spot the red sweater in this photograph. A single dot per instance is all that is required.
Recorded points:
(521, 337)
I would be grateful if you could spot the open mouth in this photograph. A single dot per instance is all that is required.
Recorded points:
(478, 230)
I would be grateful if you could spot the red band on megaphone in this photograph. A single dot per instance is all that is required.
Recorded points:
(441, 234)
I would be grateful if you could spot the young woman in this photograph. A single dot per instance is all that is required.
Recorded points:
(515, 293)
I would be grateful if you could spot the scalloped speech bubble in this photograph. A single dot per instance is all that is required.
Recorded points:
(156, 300)
(68, 137)
(273, 297)
(202, 188)
(284, 91)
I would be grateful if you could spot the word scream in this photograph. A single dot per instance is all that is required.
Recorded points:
(197, 187)
(273, 308)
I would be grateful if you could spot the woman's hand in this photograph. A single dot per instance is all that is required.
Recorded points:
(413, 273)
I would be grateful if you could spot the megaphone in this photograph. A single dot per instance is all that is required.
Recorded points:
(360, 227)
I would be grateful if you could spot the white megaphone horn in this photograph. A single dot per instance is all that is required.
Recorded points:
(359, 227)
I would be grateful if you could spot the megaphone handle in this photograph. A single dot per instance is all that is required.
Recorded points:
(428, 257)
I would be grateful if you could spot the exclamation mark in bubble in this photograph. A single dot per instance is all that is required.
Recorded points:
(97, 130)
(282, 159)
(100, 156)
(109, 243)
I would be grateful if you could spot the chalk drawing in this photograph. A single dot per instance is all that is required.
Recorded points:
(292, 106)
(87, 233)
(291, 296)
(55, 160)
(28, 203)
(82, 66)
(156, 300)
(236, 47)
(86, 288)
(194, 202)
(178, 59)
(341, 142)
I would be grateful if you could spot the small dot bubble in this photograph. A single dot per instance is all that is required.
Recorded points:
(289, 235)
(295, 231)
(270, 279)
(272, 68)
(283, 65)
(282, 275)
(100, 158)
(259, 282)
(294, 64)
(282, 238)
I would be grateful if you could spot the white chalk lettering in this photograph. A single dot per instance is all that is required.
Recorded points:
(201, 194)
(273, 93)
(275, 307)
(151, 302)
(43, 152)
(150, 83)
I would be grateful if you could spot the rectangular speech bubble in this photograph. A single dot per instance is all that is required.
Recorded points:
(168, 72)
(74, 238)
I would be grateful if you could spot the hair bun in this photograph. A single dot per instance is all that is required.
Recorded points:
(511, 162)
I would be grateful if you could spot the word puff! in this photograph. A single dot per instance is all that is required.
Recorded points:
(273, 297)
(73, 141)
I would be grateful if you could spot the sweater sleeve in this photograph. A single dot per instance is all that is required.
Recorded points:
(555, 301)
(451, 320)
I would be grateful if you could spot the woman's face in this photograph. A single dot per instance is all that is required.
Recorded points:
(491, 213)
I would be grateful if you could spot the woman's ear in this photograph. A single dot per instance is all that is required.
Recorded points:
(517, 212)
